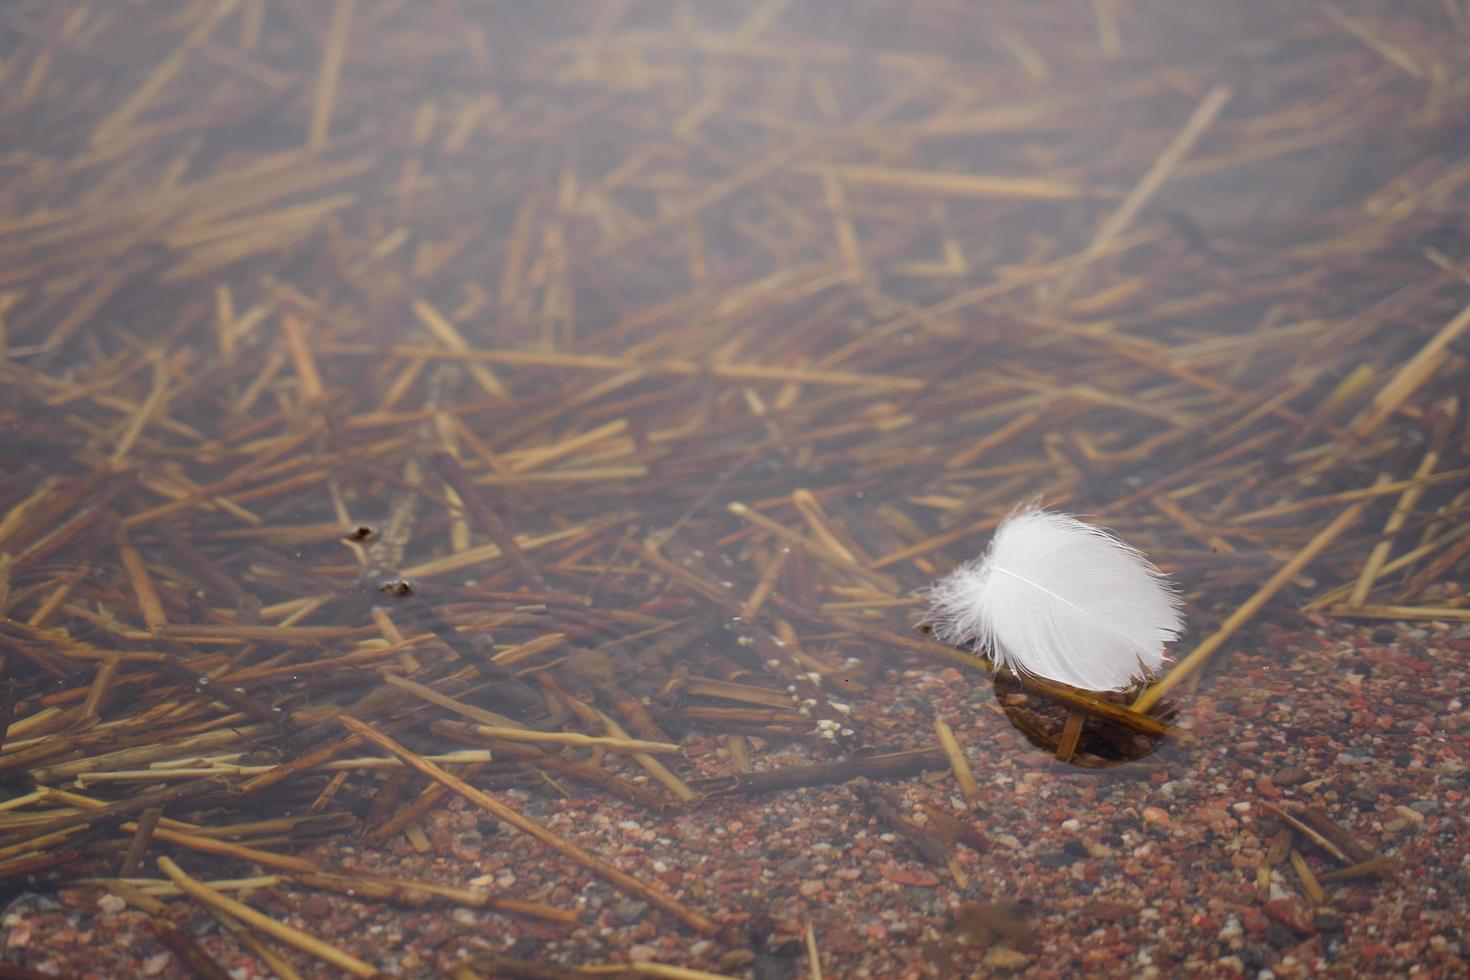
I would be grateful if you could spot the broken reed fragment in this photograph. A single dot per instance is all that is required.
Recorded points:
(1197, 657)
(485, 801)
(1300, 822)
(616, 743)
(287, 934)
(888, 765)
(380, 886)
(494, 965)
(958, 764)
(190, 953)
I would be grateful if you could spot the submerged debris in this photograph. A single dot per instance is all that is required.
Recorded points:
(653, 355)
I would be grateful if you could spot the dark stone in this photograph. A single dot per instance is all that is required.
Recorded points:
(629, 911)
(1253, 957)
(767, 967)
(1290, 776)
(1327, 920)
(1293, 914)
(1280, 937)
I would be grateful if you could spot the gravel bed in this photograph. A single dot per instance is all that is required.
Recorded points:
(1145, 870)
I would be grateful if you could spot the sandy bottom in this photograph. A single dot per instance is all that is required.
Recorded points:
(1144, 870)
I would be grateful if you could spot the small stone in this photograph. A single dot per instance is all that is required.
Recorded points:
(735, 959)
(317, 906)
(1293, 914)
(809, 889)
(1231, 929)
(464, 917)
(1111, 911)
(157, 963)
(1005, 958)
(112, 904)
(1291, 776)
(1158, 817)
(629, 910)
(915, 877)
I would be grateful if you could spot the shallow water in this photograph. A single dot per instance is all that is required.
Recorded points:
(629, 368)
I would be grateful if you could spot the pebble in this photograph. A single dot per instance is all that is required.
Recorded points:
(157, 963)
(1254, 921)
(1005, 958)
(629, 910)
(1292, 913)
(915, 877)
(317, 906)
(1158, 817)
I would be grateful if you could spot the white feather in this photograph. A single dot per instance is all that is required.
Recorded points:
(1060, 599)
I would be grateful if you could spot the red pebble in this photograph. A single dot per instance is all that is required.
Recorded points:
(1293, 914)
(909, 876)
(1253, 921)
